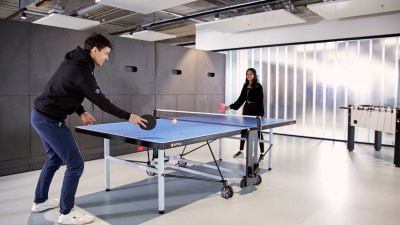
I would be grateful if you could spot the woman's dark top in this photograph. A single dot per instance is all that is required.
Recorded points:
(253, 99)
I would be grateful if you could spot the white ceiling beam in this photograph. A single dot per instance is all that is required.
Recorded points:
(75, 23)
(148, 35)
(353, 8)
(255, 21)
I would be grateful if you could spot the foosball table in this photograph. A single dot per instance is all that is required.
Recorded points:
(377, 118)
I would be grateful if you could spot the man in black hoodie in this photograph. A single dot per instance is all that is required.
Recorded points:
(63, 95)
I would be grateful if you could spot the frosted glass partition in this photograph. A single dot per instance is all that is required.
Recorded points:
(309, 83)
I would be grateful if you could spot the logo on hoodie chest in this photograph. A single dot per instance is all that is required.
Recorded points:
(97, 91)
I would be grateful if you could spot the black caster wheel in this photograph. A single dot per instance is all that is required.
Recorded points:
(243, 183)
(227, 192)
(182, 163)
(151, 173)
(259, 180)
(231, 190)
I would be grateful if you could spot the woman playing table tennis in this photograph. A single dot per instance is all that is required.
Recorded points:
(252, 96)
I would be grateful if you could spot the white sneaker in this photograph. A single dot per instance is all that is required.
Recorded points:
(75, 217)
(48, 204)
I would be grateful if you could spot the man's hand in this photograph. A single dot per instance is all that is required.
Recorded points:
(87, 118)
(137, 120)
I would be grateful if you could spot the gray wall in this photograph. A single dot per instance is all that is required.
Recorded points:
(31, 53)
(193, 89)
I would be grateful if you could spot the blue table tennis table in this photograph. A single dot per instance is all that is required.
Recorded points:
(188, 130)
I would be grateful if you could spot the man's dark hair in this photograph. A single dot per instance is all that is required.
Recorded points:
(97, 40)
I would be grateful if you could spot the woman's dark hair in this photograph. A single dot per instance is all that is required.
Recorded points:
(255, 80)
(97, 40)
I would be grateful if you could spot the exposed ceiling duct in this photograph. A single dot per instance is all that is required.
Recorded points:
(199, 14)
(179, 20)
(143, 7)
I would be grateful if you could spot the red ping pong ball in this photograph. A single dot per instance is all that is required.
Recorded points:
(174, 121)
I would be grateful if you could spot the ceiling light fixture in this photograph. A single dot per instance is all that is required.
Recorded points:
(267, 8)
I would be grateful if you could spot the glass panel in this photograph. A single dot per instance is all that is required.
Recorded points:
(310, 82)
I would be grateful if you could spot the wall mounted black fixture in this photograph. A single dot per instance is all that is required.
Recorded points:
(176, 72)
(132, 69)
(210, 74)
(23, 16)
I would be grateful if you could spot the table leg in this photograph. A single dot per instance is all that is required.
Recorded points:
(251, 154)
(220, 149)
(107, 163)
(271, 135)
(350, 132)
(252, 167)
(161, 187)
(378, 140)
(397, 140)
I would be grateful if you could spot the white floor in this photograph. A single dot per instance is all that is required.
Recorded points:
(312, 182)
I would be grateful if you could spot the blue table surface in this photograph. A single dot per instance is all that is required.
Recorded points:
(166, 132)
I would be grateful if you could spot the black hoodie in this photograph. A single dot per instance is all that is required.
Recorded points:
(254, 95)
(71, 83)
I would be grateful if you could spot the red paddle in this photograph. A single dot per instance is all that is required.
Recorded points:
(221, 107)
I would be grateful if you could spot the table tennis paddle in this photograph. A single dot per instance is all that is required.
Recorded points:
(221, 107)
(151, 122)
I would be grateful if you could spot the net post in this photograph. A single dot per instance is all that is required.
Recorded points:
(258, 118)
(155, 113)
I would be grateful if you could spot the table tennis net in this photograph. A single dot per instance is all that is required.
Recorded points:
(212, 118)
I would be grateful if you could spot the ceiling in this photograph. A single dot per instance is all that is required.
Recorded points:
(179, 20)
